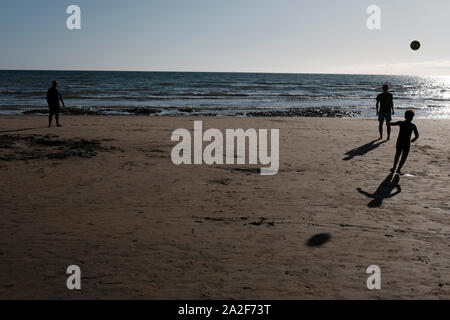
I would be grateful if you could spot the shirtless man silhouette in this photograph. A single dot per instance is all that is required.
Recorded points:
(53, 98)
(385, 107)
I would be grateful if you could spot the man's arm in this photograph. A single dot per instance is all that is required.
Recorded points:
(416, 134)
(378, 104)
(392, 97)
(62, 100)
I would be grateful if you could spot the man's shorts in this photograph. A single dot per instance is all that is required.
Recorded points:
(53, 109)
(384, 116)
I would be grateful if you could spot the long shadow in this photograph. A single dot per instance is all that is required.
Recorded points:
(362, 150)
(18, 130)
(384, 191)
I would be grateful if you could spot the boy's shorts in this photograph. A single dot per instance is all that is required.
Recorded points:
(384, 116)
(403, 146)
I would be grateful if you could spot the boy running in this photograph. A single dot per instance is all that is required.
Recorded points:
(404, 139)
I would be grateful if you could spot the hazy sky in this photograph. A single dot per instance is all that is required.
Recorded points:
(320, 36)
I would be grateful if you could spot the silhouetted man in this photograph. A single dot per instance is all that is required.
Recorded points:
(385, 105)
(53, 98)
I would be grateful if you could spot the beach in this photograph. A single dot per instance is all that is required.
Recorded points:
(102, 193)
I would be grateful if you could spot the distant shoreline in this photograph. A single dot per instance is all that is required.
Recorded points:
(309, 112)
(322, 112)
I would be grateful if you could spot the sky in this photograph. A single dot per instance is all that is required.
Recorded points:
(293, 36)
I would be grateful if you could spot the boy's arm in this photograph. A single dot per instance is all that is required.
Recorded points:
(396, 123)
(416, 134)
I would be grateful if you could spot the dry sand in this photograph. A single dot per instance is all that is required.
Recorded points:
(141, 227)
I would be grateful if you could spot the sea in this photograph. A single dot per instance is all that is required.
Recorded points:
(114, 92)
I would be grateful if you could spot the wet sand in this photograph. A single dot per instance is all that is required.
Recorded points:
(103, 194)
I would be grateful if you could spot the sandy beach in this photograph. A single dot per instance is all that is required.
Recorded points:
(102, 193)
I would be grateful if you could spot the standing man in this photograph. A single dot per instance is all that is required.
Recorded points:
(53, 98)
(385, 105)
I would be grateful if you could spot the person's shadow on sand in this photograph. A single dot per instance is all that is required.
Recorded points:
(362, 150)
(384, 191)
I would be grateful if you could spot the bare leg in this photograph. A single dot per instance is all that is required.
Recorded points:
(397, 157)
(50, 116)
(402, 161)
(380, 129)
(57, 119)
(388, 125)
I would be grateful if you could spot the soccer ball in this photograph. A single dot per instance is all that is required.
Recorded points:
(415, 45)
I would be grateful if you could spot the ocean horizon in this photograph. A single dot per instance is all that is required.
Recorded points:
(221, 93)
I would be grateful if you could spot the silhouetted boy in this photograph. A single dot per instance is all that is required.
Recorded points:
(53, 98)
(404, 139)
(385, 107)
